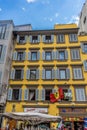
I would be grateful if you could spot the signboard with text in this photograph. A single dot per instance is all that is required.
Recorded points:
(41, 110)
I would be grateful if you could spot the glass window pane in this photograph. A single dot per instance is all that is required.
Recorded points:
(31, 94)
(48, 55)
(15, 95)
(32, 74)
(61, 55)
(62, 74)
(48, 74)
(33, 55)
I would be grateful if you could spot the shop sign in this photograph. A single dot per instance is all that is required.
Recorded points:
(72, 119)
(41, 110)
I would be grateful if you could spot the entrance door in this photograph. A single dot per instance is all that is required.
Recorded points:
(78, 125)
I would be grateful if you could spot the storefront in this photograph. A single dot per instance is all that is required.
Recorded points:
(73, 117)
(75, 123)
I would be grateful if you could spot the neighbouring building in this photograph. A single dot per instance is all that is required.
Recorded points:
(49, 73)
(6, 48)
(83, 19)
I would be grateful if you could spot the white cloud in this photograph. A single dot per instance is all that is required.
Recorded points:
(74, 19)
(51, 19)
(30, 1)
(46, 2)
(23, 9)
(0, 9)
(56, 15)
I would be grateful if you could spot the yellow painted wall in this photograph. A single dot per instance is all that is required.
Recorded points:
(53, 107)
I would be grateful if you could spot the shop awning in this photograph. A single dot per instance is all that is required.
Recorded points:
(33, 117)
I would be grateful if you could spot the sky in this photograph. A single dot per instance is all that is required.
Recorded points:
(41, 14)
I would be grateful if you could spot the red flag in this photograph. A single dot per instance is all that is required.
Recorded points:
(52, 98)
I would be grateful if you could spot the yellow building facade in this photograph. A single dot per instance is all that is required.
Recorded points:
(49, 73)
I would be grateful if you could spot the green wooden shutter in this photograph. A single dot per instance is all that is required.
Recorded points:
(53, 55)
(43, 55)
(82, 47)
(24, 56)
(68, 73)
(9, 96)
(66, 54)
(43, 94)
(12, 74)
(29, 55)
(37, 74)
(57, 74)
(37, 95)
(22, 74)
(38, 38)
(52, 38)
(43, 38)
(38, 55)
(20, 94)
(15, 55)
(26, 94)
(53, 74)
(18, 38)
(30, 39)
(28, 74)
(85, 65)
(43, 74)
(57, 55)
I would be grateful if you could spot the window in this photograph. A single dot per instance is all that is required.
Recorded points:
(1, 50)
(47, 94)
(20, 56)
(48, 74)
(60, 38)
(35, 39)
(61, 54)
(73, 37)
(62, 74)
(22, 39)
(15, 94)
(17, 74)
(77, 73)
(65, 94)
(80, 94)
(75, 54)
(34, 56)
(32, 94)
(48, 55)
(85, 47)
(33, 74)
(48, 38)
(3, 31)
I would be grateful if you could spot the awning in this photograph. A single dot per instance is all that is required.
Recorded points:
(33, 117)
